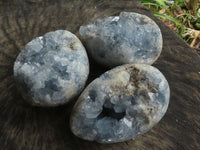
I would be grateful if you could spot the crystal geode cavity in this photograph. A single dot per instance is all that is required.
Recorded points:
(52, 69)
(122, 103)
(127, 38)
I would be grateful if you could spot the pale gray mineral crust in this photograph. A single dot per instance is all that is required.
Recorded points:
(52, 69)
(122, 103)
(127, 38)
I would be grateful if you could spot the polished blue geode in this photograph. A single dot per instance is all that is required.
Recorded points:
(127, 38)
(52, 69)
(122, 103)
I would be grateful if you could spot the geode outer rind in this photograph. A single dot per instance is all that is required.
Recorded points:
(122, 103)
(52, 69)
(127, 38)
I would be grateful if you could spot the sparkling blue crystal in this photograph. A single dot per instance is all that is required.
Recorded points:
(52, 69)
(127, 38)
(121, 104)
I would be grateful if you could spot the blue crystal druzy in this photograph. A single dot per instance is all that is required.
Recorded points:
(122, 103)
(52, 69)
(127, 38)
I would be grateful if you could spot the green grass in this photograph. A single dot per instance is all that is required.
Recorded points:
(184, 22)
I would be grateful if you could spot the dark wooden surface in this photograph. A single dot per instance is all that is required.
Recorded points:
(23, 127)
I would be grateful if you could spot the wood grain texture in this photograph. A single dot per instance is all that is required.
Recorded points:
(23, 127)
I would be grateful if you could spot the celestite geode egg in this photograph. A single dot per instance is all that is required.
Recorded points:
(122, 103)
(127, 38)
(52, 69)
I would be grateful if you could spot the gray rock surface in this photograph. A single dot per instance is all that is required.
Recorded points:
(122, 103)
(127, 38)
(52, 69)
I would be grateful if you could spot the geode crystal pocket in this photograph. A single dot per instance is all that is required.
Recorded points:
(127, 38)
(52, 69)
(121, 104)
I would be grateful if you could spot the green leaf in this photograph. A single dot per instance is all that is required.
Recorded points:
(157, 3)
(161, 2)
(152, 4)
(198, 13)
(197, 25)
(167, 17)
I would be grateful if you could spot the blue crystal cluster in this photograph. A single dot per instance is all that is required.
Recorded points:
(122, 103)
(127, 38)
(52, 69)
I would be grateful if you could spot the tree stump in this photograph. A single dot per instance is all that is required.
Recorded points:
(23, 127)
